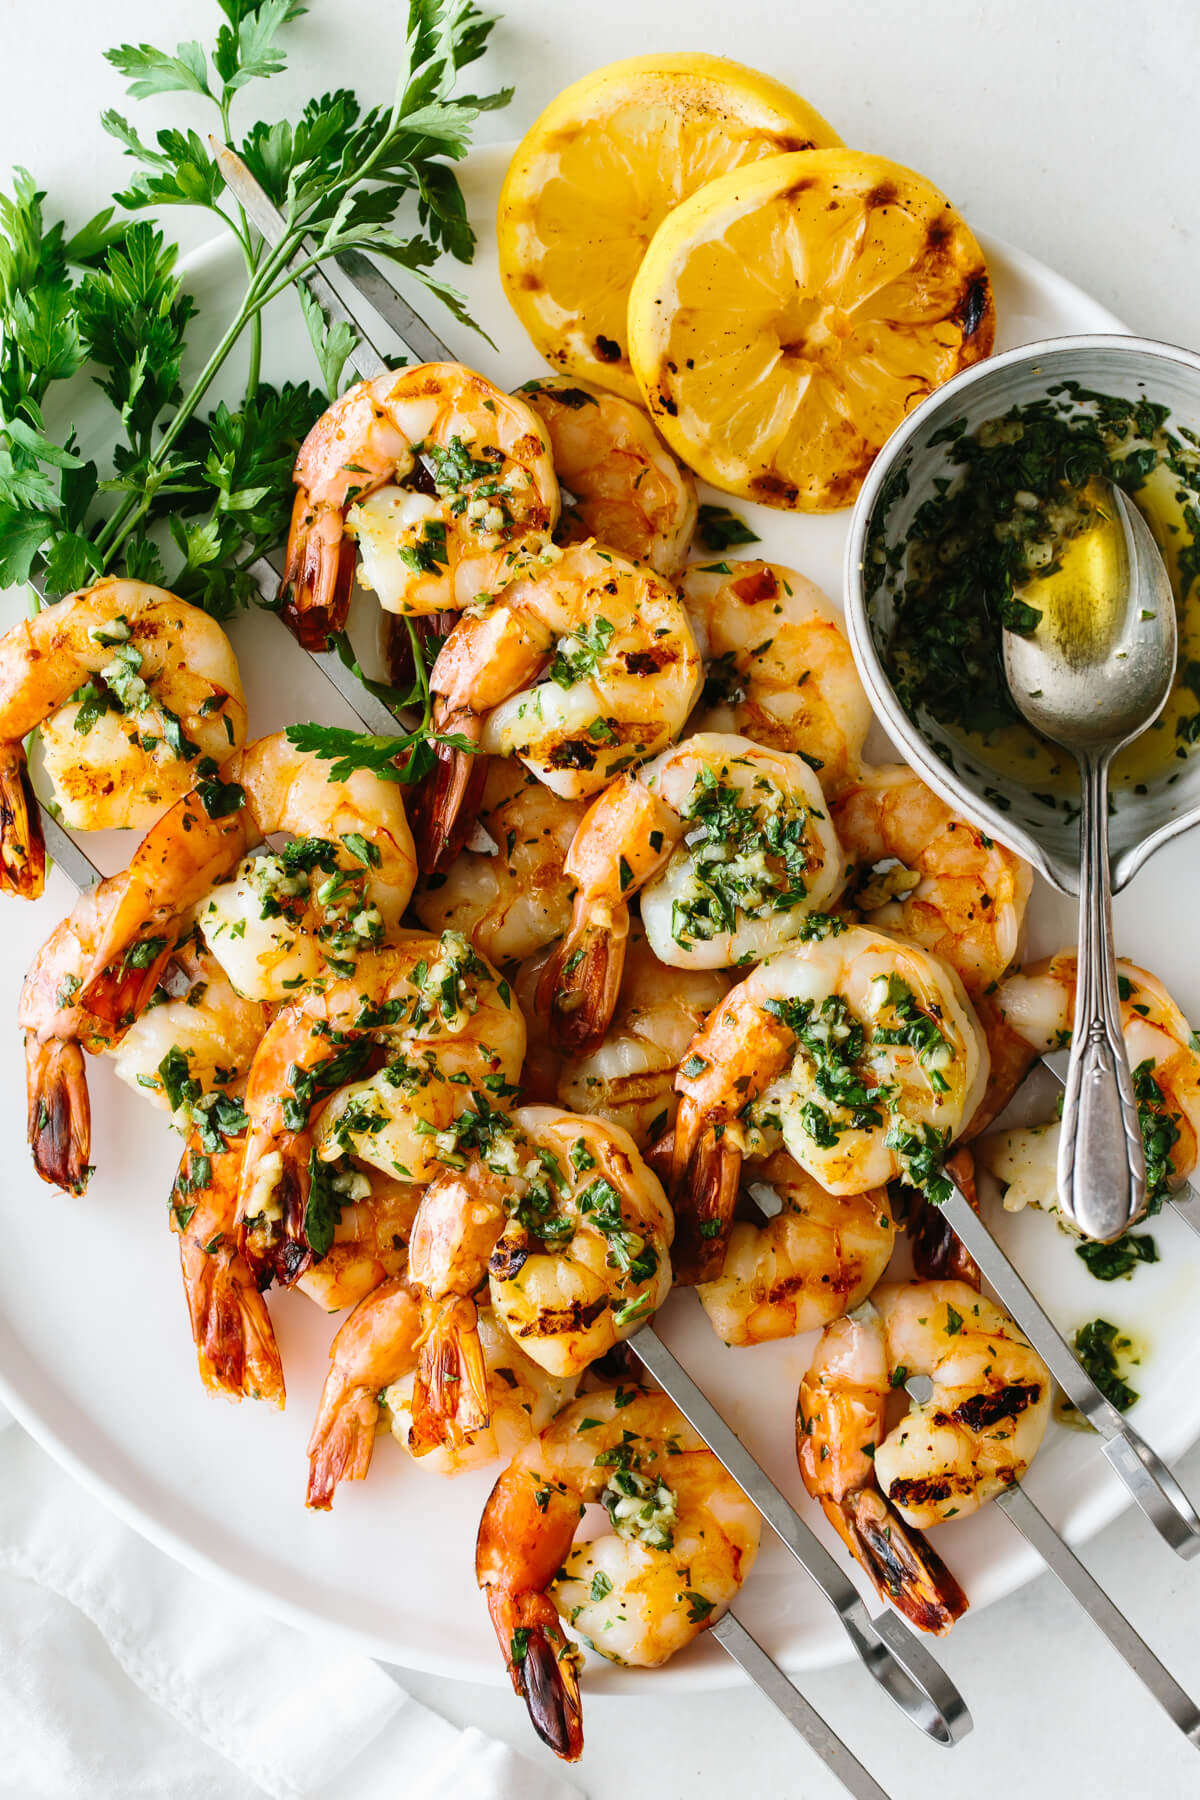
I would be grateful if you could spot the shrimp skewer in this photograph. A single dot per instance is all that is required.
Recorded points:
(683, 1540)
(778, 667)
(860, 1054)
(580, 667)
(160, 694)
(441, 1027)
(817, 1258)
(731, 848)
(444, 481)
(626, 487)
(101, 966)
(571, 1231)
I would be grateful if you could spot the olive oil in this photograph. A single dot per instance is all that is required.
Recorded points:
(1082, 596)
(1014, 538)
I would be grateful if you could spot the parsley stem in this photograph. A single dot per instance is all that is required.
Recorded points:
(133, 509)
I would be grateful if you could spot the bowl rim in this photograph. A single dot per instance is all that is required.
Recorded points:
(911, 742)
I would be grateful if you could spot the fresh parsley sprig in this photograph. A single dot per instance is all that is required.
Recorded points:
(214, 485)
(406, 757)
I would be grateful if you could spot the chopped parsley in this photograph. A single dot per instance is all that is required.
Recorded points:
(719, 529)
(578, 656)
(1110, 1262)
(1097, 1345)
(1160, 1134)
(744, 859)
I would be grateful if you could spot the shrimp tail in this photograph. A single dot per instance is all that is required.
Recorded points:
(281, 1251)
(450, 1391)
(449, 797)
(119, 993)
(60, 1113)
(231, 1327)
(938, 1255)
(542, 1664)
(705, 1179)
(342, 1440)
(22, 846)
(318, 574)
(581, 983)
(899, 1559)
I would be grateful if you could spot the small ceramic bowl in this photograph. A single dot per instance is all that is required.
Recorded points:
(899, 482)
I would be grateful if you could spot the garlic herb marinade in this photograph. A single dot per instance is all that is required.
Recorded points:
(979, 547)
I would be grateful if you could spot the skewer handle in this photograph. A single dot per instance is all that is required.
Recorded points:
(770, 1680)
(1033, 1524)
(1185, 1202)
(902, 1666)
(1144, 1473)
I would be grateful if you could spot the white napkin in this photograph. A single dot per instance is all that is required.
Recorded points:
(123, 1674)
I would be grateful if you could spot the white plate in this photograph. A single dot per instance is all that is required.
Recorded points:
(95, 1353)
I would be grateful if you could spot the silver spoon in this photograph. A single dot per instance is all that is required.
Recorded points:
(1091, 676)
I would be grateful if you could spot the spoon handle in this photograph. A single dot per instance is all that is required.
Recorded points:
(1101, 1163)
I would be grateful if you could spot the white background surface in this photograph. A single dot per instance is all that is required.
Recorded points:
(1071, 130)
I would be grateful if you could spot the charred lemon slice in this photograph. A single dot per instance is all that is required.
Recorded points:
(787, 316)
(598, 172)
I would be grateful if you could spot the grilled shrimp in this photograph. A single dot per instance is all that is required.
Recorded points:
(584, 1255)
(572, 1232)
(629, 1077)
(625, 486)
(286, 917)
(234, 1337)
(974, 1437)
(731, 848)
(522, 1400)
(683, 1539)
(817, 1258)
(196, 1037)
(841, 1420)
(860, 1053)
(178, 1033)
(369, 1242)
(443, 481)
(433, 1022)
(514, 899)
(131, 688)
(581, 668)
(925, 873)
(777, 665)
(1038, 1004)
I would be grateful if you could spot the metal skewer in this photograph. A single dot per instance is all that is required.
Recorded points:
(1083, 1587)
(897, 1660)
(783, 1694)
(1141, 1469)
